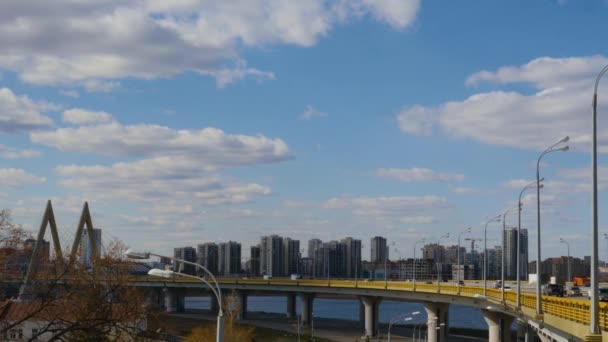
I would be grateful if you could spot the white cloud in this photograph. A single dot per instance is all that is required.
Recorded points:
(517, 183)
(311, 112)
(19, 113)
(13, 153)
(385, 205)
(557, 108)
(85, 117)
(70, 93)
(417, 120)
(463, 190)
(417, 174)
(14, 178)
(112, 40)
(211, 146)
(417, 219)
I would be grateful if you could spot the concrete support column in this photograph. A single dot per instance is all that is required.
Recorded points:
(170, 300)
(306, 301)
(361, 313)
(431, 324)
(291, 305)
(522, 331)
(506, 323)
(372, 310)
(240, 302)
(492, 318)
(180, 300)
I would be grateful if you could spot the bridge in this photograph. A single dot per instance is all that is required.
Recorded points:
(564, 319)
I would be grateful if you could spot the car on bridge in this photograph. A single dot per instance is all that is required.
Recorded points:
(553, 290)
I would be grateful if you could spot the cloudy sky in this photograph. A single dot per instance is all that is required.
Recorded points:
(194, 120)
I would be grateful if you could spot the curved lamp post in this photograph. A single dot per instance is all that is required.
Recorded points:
(403, 318)
(485, 254)
(414, 268)
(468, 230)
(594, 328)
(399, 254)
(518, 266)
(446, 236)
(168, 274)
(502, 267)
(561, 240)
(552, 148)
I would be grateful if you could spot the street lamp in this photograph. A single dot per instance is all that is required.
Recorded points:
(594, 328)
(550, 149)
(518, 271)
(485, 254)
(414, 271)
(568, 249)
(403, 318)
(399, 254)
(502, 267)
(447, 235)
(168, 274)
(468, 230)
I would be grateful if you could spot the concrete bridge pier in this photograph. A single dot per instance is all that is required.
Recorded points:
(152, 297)
(240, 298)
(170, 297)
(372, 310)
(306, 301)
(437, 325)
(522, 332)
(291, 306)
(361, 313)
(499, 326)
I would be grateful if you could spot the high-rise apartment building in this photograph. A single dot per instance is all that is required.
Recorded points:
(353, 257)
(272, 256)
(207, 255)
(188, 254)
(291, 253)
(86, 250)
(254, 261)
(229, 256)
(378, 249)
(510, 239)
(434, 252)
(330, 260)
(451, 254)
(313, 244)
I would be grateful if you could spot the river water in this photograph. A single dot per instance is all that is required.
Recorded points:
(459, 316)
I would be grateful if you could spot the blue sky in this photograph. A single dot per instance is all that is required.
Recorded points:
(191, 121)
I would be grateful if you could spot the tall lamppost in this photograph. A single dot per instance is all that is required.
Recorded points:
(468, 230)
(447, 235)
(485, 253)
(502, 267)
(414, 269)
(552, 148)
(594, 328)
(399, 254)
(518, 266)
(568, 249)
(168, 274)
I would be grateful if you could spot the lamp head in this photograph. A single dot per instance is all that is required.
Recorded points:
(137, 255)
(407, 319)
(542, 179)
(562, 240)
(565, 139)
(565, 148)
(161, 273)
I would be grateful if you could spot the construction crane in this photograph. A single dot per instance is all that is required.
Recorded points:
(473, 243)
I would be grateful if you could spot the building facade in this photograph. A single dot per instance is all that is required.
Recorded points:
(229, 255)
(208, 255)
(378, 249)
(184, 253)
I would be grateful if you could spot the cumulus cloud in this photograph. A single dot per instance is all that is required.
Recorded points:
(211, 146)
(417, 174)
(311, 112)
(14, 178)
(557, 107)
(395, 205)
(417, 219)
(20, 113)
(111, 40)
(13, 153)
(85, 117)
